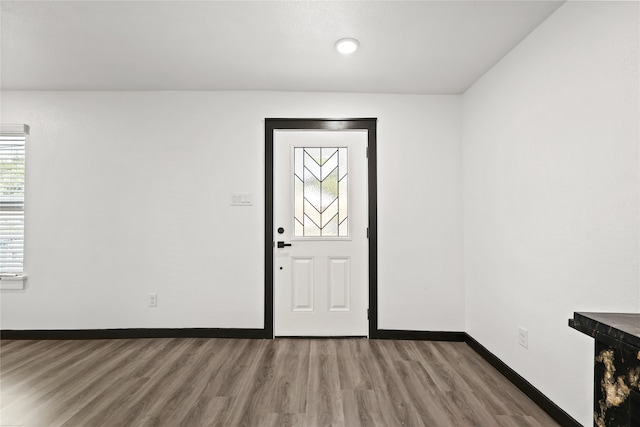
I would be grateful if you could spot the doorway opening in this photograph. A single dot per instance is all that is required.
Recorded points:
(272, 127)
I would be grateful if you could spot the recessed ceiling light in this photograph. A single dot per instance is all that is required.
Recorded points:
(347, 46)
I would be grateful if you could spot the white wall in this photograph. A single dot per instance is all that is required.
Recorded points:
(550, 166)
(128, 193)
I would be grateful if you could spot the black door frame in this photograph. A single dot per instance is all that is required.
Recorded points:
(368, 124)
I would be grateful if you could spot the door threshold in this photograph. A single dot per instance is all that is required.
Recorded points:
(322, 337)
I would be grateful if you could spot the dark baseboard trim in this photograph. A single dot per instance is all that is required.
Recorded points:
(394, 334)
(525, 386)
(98, 334)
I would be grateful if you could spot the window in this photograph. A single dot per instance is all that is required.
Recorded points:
(320, 192)
(12, 168)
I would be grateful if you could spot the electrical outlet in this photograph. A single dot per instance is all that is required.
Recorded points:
(152, 299)
(523, 337)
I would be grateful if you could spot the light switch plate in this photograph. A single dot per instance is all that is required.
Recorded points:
(241, 199)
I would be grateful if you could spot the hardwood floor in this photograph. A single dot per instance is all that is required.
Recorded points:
(239, 382)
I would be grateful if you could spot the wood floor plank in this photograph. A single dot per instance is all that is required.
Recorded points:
(73, 389)
(185, 372)
(369, 409)
(478, 379)
(504, 398)
(378, 398)
(285, 379)
(208, 411)
(248, 383)
(58, 390)
(475, 375)
(239, 382)
(430, 409)
(232, 372)
(283, 420)
(104, 406)
(142, 403)
(395, 396)
(292, 373)
(352, 376)
(324, 400)
(53, 359)
(148, 356)
(518, 421)
(187, 398)
(436, 368)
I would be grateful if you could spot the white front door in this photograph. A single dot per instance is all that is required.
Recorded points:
(320, 210)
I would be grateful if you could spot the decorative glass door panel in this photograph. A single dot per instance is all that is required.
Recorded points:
(321, 192)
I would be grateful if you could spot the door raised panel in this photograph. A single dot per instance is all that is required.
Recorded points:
(302, 284)
(339, 283)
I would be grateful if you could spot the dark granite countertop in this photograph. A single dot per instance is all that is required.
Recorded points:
(624, 327)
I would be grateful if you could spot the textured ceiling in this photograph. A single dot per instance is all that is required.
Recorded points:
(439, 47)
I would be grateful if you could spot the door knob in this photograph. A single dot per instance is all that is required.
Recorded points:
(283, 244)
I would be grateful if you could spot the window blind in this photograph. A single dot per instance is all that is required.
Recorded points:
(12, 168)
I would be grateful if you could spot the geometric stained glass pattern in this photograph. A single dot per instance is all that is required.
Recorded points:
(321, 196)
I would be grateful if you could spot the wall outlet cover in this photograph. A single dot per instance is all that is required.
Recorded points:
(152, 299)
(523, 337)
